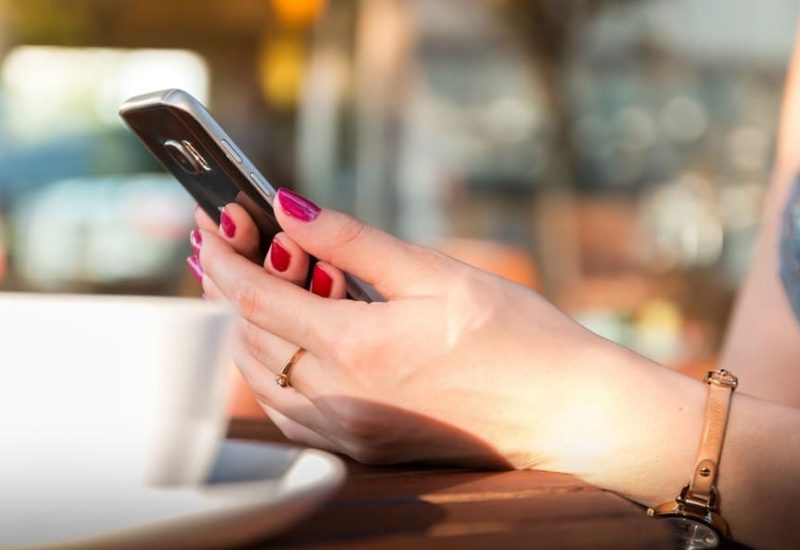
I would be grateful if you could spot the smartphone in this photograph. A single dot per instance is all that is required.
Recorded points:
(183, 136)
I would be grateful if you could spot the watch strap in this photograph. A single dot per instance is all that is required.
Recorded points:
(701, 489)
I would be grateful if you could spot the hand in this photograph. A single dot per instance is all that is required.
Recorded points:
(284, 258)
(457, 366)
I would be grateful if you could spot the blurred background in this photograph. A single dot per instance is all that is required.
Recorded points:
(613, 155)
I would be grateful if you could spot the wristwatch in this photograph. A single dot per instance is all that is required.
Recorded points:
(695, 511)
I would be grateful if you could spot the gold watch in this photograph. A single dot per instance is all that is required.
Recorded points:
(695, 511)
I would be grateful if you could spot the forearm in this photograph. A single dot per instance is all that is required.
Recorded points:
(760, 473)
(656, 419)
(763, 341)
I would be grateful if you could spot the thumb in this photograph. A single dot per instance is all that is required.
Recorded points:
(381, 260)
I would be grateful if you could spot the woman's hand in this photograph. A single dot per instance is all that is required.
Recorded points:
(457, 365)
(463, 367)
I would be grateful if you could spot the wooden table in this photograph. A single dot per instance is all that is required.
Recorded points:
(429, 507)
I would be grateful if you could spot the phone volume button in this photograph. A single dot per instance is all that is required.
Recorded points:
(257, 181)
(230, 151)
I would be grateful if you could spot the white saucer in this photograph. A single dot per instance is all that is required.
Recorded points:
(255, 490)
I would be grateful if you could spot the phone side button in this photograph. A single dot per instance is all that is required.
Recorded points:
(257, 181)
(229, 150)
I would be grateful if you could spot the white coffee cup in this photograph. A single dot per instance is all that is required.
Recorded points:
(103, 393)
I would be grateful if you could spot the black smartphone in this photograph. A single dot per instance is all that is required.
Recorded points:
(178, 130)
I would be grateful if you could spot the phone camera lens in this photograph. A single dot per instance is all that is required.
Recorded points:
(182, 156)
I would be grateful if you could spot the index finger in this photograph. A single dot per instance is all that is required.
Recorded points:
(270, 303)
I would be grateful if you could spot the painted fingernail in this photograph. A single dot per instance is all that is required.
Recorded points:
(296, 206)
(321, 282)
(227, 225)
(196, 238)
(195, 268)
(279, 257)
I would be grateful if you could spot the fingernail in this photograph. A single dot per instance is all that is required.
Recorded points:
(321, 282)
(296, 206)
(196, 238)
(195, 268)
(279, 257)
(227, 225)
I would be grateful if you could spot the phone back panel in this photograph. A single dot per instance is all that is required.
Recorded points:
(175, 116)
(226, 176)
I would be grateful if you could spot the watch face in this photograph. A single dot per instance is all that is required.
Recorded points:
(693, 534)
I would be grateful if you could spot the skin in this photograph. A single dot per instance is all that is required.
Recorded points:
(462, 367)
(763, 344)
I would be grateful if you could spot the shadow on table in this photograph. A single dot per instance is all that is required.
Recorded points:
(423, 506)
(386, 500)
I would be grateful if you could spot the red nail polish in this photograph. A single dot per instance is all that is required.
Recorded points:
(296, 206)
(279, 257)
(195, 268)
(196, 239)
(227, 225)
(321, 282)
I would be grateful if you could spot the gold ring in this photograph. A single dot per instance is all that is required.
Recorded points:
(283, 378)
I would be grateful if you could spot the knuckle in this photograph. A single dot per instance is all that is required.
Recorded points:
(435, 259)
(349, 232)
(351, 343)
(352, 355)
(358, 426)
(343, 346)
(362, 432)
(431, 262)
(247, 299)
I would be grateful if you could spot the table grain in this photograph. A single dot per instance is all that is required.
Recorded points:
(421, 507)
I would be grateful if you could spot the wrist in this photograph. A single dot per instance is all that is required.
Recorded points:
(640, 428)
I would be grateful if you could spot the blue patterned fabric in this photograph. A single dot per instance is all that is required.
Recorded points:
(790, 247)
